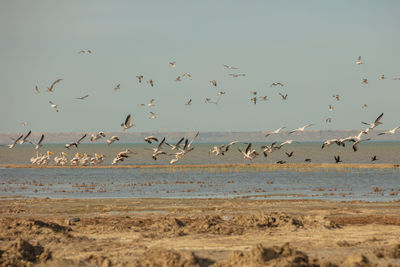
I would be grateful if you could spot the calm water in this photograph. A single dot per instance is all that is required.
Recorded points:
(333, 184)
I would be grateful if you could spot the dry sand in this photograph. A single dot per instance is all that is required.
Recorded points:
(198, 232)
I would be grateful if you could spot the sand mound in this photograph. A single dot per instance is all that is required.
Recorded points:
(21, 253)
(170, 258)
(273, 256)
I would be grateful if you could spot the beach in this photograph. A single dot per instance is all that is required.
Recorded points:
(198, 232)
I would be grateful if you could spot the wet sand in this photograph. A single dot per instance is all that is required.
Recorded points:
(237, 165)
(198, 232)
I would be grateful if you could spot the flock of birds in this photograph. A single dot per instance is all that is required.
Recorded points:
(184, 146)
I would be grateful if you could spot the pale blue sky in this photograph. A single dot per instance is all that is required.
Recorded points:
(311, 46)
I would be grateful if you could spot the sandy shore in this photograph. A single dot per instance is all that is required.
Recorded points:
(238, 165)
(198, 232)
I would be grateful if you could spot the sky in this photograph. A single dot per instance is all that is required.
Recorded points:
(309, 46)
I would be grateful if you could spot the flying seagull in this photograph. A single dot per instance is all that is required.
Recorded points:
(149, 138)
(337, 97)
(99, 135)
(117, 87)
(214, 82)
(127, 123)
(284, 97)
(75, 143)
(85, 52)
(393, 131)
(112, 140)
(359, 62)
(173, 64)
(277, 83)
(51, 88)
(25, 138)
(248, 153)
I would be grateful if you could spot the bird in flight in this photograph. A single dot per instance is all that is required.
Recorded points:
(75, 143)
(51, 88)
(263, 98)
(329, 119)
(289, 155)
(153, 115)
(53, 106)
(221, 93)
(37, 90)
(39, 144)
(214, 82)
(150, 82)
(300, 129)
(99, 135)
(151, 103)
(25, 138)
(15, 141)
(85, 52)
(189, 102)
(277, 83)
(187, 75)
(364, 81)
(275, 131)
(178, 79)
(337, 159)
(359, 62)
(372, 125)
(284, 97)
(364, 106)
(117, 87)
(382, 77)
(374, 158)
(173, 64)
(235, 75)
(140, 77)
(230, 67)
(337, 97)
(150, 138)
(82, 97)
(393, 131)
(127, 123)
(330, 108)
(248, 153)
(112, 140)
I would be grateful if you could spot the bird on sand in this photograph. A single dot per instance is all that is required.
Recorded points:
(53, 106)
(51, 88)
(75, 143)
(127, 123)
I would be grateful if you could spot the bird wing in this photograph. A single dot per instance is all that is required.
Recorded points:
(161, 143)
(248, 148)
(41, 139)
(19, 138)
(55, 82)
(128, 120)
(180, 141)
(81, 138)
(379, 118)
(27, 135)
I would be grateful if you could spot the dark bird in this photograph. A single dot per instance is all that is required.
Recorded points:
(76, 143)
(289, 154)
(51, 88)
(307, 160)
(284, 97)
(373, 158)
(280, 162)
(337, 159)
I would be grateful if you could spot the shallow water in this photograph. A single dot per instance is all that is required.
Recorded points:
(387, 152)
(327, 184)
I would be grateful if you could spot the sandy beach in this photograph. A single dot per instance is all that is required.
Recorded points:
(198, 232)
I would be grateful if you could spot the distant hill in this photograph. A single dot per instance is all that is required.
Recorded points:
(205, 137)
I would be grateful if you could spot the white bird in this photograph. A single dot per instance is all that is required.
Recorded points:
(359, 62)
(53, 106)
(221, 150)
(187, 147)
(25, 123)
(230, 67)
(112, 140)
(300, 129)
(39, 144)
(153, 115)
(372, 125)
(214, 82)
(151, 103)
(248, 153)
(287, 142)
(275, 131)
(157, 150)
(330, 108)
(173, 64)
(117, 87)
(221, 93)
(189, 102)
(149, 138)
(25, 138)
(127, 123)
(329, 142)
(15, 141)
(51, 88)
(75, 143)
(97, 136)
(329, 119)
(393, 131)
(37, 90)
(82, 97)
(382, 77)
(177, 145)
(269, 149)
(150, 82)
